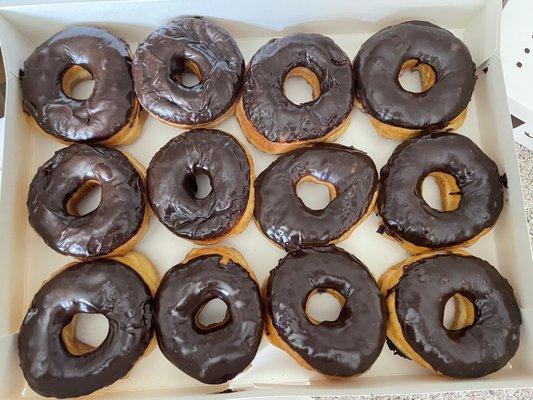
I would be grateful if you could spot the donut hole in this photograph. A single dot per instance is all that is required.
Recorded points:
(85, 200)
(198, 184)
(186, 73)
(459, 313)
(85, 333)
(440, 191)
(324, 305)
(416, 77)
(212, 315)
(77, 83)
(301, 86)
(314, 193)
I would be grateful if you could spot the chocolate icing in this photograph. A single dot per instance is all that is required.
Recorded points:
(272, 113)
(102, 286)
(346, 346)
(172, 186)
(213, 354)
(407, 216)
(392, 347)
(471, 352)
(118, 217)
(286, 220)
(378, 64)
(162, 56)
(111, 104)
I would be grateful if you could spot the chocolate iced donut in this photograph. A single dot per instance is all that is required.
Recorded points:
(218, 352)
(282, 216)
(471, 191)
(203, 48)
(446, 71)
(114, 226)
(345, 347)
(172, 185)
(56, 364)
(485, 334)
(274, 124)
(110, 115)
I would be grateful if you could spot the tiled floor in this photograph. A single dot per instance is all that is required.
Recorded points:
(525, 159)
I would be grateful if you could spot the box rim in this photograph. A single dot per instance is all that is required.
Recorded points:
(308, 390)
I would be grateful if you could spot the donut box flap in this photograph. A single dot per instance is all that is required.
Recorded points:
(517, 60)
(27, 261)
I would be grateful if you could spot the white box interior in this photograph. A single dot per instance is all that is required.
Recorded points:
(27, 261)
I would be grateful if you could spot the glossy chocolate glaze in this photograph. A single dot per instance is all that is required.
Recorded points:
(102, 286)
(405, 214)
(162, 56)
(172, 186)
(378, 64)
(471, 352)
(213, 354)
(286, 220)
(344, 347)
(109, 107)
(117, 218)
(272, 113)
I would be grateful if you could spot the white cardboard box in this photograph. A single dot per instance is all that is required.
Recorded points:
(27, 261)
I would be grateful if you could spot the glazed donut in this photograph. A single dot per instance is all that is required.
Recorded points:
(280, 214)
(345, 347)
(470, 186)
(274, 124)
(208, 51)
(118, 222)
(51, 356)
(172, 186)
(446, 71)
(485, 334)
(218, 352)
(110, 115)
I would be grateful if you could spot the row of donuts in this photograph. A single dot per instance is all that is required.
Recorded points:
(407, 306)
(471, 190)
(113, 114)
